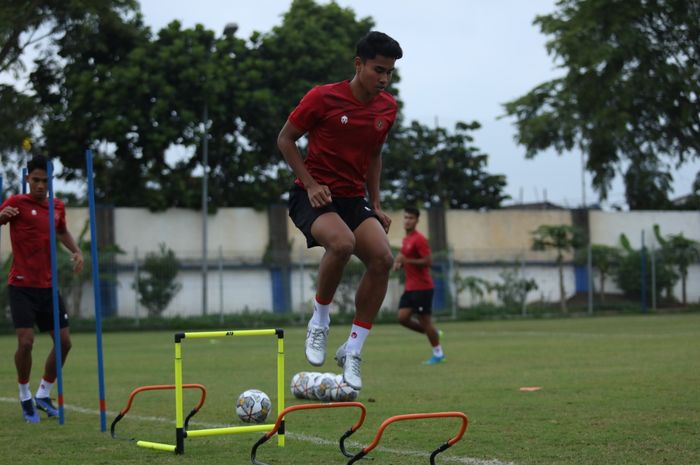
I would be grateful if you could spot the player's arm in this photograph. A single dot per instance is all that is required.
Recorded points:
(67, 240)
(319, 195)
(426, 260)
(374, 171)
(7, 213)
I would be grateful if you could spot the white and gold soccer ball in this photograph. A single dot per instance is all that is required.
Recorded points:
(253, 406)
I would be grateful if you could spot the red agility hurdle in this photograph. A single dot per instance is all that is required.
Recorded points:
(279, 425)
(416, 416)
(157, 387)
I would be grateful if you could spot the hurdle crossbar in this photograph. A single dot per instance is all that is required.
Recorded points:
(180, 432)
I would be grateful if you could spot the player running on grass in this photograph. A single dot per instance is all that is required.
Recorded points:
(29, 282)
(415, 258)
(347, 123)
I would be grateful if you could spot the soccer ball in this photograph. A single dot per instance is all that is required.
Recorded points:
(307, 388)
(253, 406)
(323, 385)
(298, 383)
(341, 392)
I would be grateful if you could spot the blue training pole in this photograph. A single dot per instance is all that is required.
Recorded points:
(54, 295)
(23, 181)
(96, 289)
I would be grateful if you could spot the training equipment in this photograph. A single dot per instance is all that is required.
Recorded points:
(253, 406)
(181, 423)
(308, 388)
(280, 422)
(297, 384)
(323, 385)
(341, 391)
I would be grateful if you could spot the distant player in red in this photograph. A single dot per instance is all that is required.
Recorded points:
(29, 282)
(347, 123)
(415, 259)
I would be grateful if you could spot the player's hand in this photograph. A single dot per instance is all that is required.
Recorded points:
(398, 262)
(383, 219)
(8, 212)
(77, 259)
(319, 195)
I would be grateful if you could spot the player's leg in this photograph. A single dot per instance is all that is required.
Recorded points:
(406, 319)
(45, 323)
(333, 234)
(426, 320)
(372, 248)
(21, 308)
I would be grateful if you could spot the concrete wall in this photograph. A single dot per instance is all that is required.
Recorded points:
(484, 243)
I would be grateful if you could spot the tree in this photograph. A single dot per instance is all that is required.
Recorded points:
(562, 238)
(435, 167)
(157, 287)
(629, 92)
(681, 252)
(605, 259)
(628, 275)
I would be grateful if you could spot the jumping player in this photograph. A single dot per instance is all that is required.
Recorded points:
(415, 258)
(347, 123)
(29, 282)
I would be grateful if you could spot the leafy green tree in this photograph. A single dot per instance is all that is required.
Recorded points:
(477, 287)
(435, 167)
(156, 284)
(562, 238)
(681, 252)
(605, 259)
(628, 275)
(629, 90)
(513, 289)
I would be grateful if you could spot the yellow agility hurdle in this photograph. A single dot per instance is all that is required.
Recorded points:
(181, 432)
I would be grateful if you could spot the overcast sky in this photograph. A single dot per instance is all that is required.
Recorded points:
(462, 60)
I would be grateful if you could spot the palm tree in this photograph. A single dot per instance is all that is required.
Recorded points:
(604, 258)
(681, 252)
(562, 238)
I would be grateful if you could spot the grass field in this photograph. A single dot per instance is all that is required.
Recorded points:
(615, 390)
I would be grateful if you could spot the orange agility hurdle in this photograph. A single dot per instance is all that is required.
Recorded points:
(279, 425)
(416, 416)
(158, 387)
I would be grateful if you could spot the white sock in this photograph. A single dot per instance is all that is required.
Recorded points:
(24, 392)
(437, 351)
(321, 316)
(44, 389)
(358, 334)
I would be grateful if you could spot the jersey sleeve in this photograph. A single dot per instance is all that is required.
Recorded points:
(309, 111)
(7, 203)
(61, 210)
(422, 247)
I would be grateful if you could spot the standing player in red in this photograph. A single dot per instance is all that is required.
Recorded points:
(29, 282)
(415, 258)
(347, 123)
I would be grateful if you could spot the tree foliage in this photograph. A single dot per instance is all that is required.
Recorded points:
(155, 284)
(680, 252)
(426, 167)
(561, 238)
(629, 92)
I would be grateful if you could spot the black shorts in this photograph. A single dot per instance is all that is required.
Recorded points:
(33, 305)
(352, 210)
(421, 302)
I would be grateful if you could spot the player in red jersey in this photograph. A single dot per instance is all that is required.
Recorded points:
(347, 123)
(415, 259)
(29, 282)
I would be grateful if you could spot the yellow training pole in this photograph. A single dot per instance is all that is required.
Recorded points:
(179, 417)
(156, 446)
(243, 332)
(280, 383)
(198, 433)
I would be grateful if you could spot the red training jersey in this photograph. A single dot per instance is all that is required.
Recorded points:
(29, 234)
(343, 133)
(418, 278)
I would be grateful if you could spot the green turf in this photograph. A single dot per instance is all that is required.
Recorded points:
(615, 390)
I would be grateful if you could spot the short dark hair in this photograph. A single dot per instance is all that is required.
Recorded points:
(38, 162)
(412, 211)
(377, 43)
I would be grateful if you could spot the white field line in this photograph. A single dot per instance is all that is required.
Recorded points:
(296, 436)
